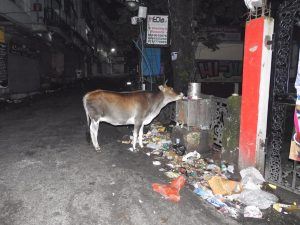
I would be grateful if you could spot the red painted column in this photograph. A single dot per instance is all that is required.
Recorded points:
(255, 92)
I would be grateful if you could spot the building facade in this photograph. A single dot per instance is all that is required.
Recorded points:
(51, 42)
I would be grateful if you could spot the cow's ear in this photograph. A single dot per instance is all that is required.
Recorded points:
(161, 87)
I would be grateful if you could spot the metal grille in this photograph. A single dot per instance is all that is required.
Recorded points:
(274, 172)
(217, 125)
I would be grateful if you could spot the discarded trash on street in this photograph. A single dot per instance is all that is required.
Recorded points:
(259, 198)
(253, 212)
(179, 148)
(171, 191)
(203, 192)
(216, 202)
(222, 186)
(156, 163)
(252, 195)
(191, 156)
(272, 186)
(251, 178)
(230, 168)
(153, 146)
(210, 178)
(171, 174)
(285, 208)
(170, 165)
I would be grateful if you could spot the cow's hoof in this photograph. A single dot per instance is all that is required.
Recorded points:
(98, 149)
(136, 150)
(133, 149)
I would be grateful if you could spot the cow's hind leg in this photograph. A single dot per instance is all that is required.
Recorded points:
(141, 133)
(136, 129)
(94, 134)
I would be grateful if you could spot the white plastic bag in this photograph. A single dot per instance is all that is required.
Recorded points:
(251, 178)
(252, 212)
(259, 198)
(191, 156)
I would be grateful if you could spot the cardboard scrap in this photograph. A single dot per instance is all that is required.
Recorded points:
(222, 186)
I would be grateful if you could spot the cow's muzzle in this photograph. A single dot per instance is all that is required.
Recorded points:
(181, 95)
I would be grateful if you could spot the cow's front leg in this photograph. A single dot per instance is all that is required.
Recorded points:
(141, 136)
(94, 134)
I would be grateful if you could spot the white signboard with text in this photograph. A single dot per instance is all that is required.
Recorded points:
(157, 30)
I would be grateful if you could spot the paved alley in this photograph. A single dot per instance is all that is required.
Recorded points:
(50, 175)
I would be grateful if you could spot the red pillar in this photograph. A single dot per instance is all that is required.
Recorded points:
(255, 92)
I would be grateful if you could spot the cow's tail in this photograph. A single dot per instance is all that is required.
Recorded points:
(87, 133)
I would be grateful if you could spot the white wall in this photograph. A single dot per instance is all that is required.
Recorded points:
(226, 51)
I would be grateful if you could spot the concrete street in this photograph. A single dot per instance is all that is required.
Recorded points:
(50, 175)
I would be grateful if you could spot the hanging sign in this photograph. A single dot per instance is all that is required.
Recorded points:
(157, 30)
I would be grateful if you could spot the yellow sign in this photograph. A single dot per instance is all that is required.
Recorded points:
(2, 38)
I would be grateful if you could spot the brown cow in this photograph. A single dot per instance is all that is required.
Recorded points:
(124, 108)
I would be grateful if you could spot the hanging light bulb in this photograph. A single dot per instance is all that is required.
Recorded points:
(253, 4)
(132, 5)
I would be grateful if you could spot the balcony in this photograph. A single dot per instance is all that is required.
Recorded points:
(23, 14)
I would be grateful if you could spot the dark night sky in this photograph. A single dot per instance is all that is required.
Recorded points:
(110, 7)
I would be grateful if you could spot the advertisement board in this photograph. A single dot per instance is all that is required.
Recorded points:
(157, 30)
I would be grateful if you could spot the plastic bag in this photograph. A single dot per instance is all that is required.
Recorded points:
(172, 174)
(203, 193)
(216, 202)
(252, 212)
(251, 178)
(171, 191)
(191, 156)
(259, 198)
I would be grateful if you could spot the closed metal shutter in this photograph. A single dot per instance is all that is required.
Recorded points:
(3, 62)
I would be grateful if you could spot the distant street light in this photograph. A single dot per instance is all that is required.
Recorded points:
(112, 50)
(132, 5)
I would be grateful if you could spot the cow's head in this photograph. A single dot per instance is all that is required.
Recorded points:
(169, 93)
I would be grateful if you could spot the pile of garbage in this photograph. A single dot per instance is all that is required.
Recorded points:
(210, 180)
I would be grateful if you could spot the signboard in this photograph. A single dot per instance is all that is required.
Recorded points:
(157, 30)
(2, 37)
(219, 70)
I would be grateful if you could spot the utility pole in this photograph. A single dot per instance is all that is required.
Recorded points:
(181, 15)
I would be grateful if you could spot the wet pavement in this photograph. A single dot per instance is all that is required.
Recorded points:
(49, 174)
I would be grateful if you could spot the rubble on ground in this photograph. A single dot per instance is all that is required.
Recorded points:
(211, 180)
